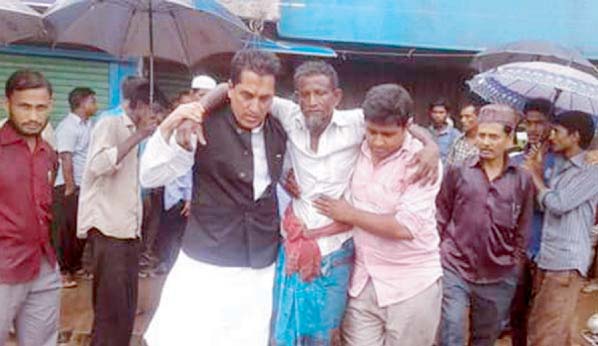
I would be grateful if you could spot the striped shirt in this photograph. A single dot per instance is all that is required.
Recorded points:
(570, 207)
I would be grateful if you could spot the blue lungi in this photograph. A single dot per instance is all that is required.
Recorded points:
(310, 313)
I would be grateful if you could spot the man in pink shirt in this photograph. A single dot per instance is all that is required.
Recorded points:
(395, 292)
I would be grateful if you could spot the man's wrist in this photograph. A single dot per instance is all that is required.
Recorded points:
(70, 188)
(352, 214)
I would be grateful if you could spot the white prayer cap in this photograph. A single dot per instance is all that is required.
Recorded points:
(203, 82)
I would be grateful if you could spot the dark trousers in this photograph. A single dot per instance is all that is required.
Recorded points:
(521, 306)
(170, 236)
(114, 296)
(68, 247)
(153, 203)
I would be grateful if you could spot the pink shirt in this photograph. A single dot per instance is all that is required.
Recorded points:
(399, 269)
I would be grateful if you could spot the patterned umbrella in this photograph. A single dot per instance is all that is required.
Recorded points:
(515, 83)
(532, 50)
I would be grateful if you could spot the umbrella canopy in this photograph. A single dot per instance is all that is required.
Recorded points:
(515, 83)
(538, 50)
(183, 31)
(18, 21)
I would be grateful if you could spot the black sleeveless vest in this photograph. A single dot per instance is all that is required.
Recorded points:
(226, 226)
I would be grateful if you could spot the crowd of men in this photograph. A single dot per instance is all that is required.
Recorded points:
(385, 233)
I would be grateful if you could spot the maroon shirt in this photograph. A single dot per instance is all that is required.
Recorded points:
(484, 225)
(25, 206)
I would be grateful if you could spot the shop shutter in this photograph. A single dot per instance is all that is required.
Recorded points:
(64, 74)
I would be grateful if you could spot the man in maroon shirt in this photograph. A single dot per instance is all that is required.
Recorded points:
(29, 277)
(484, 213)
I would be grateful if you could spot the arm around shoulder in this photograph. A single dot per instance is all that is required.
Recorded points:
(163, 162)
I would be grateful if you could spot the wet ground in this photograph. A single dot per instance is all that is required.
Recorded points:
(77, 314)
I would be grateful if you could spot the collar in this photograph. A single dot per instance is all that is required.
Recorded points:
(78, 119)
(444, 131)
(338, 119)
(475, 162)
(258, 129)
(562, 163)
(127, 121)
(8, 136)
(462, 136)
(579, 160)
(233, 122)
(75, 117)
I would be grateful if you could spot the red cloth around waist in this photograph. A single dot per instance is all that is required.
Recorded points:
(302, 253)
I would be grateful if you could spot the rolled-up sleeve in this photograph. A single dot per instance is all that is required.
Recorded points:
(161, 162)
(417, 205)
(103, 152)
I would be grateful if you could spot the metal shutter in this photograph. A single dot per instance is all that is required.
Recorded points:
(64, 74)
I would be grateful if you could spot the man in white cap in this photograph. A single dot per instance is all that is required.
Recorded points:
(201, 85)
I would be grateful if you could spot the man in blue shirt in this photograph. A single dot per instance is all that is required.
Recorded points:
(72, 142)
(443, 131)
(569, 200)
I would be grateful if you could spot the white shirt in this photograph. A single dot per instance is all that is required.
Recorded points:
(110, 196)
(326, 172)
(163, 162)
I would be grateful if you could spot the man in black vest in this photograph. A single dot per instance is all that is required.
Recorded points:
(220, 289)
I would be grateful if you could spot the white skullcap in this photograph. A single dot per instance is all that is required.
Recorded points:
(203, 82)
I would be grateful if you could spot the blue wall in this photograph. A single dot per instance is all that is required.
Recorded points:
(448, 24)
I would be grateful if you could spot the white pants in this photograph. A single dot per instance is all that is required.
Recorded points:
(207, 305)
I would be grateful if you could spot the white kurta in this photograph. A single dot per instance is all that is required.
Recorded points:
(204, 304)
(325, 172)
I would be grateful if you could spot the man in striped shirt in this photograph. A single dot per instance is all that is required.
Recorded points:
(569, 200)
(464, 147)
